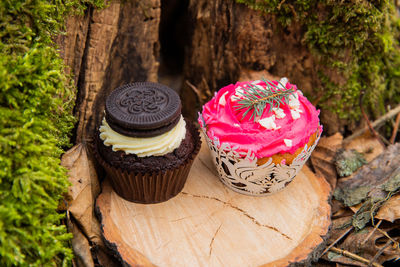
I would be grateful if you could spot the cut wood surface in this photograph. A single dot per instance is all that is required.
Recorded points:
(209, 225)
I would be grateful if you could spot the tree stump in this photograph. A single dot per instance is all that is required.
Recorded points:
(209, 225)
(107, 48)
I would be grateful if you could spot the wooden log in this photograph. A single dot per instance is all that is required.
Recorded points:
(210, 225)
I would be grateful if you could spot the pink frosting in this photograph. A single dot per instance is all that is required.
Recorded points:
(223, 121)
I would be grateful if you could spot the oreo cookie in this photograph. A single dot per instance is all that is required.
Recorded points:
(143, 109)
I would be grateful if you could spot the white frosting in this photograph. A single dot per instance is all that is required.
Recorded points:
(146, 146)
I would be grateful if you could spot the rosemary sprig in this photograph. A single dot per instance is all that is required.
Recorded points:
(256, 99)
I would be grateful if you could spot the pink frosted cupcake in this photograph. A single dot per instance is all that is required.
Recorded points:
(260, 134)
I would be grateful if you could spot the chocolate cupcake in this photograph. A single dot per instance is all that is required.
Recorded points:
(144, 143)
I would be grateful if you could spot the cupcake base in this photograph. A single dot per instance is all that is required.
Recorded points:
(248, 175)
(152, 186)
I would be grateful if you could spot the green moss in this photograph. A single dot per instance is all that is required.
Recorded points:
(358, 40)
(348, 161)
(36, 102)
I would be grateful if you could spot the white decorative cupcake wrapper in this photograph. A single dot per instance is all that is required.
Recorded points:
(239, 171)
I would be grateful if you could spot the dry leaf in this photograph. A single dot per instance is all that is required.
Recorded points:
(323, 157)
(366, 144)
(339, 226)
(83, 191)
(390, 211)
(355, 208)
(104, 259)
(339, 210)
(80, 246)
(323, 263)
(381, 174)
(366, 243)
(334, 257)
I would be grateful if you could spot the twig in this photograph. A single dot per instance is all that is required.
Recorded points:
(390, 238)
(395, 129)
(195, 90)
(371, 233)
(293, 11)
(375, 124)
(384, 139)
(380, 252)
(354, 256)
(280, 4)
(337, 240)
(371, 128)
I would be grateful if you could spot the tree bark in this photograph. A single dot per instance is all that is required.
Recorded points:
(108, 48)
(231, 42)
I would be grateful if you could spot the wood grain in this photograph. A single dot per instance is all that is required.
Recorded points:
(209, 225)
(106, 48)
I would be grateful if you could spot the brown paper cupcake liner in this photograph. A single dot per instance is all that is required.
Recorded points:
(152, 187)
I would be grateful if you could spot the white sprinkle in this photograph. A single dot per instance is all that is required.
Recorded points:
(299, 92)
(239, 90)
(294, 102)
(238, 94)
(236, 125)
(268, 123)
(235, 98)
(288, 142)
(284, 81)
(256, 82)
(295, 113)
(222, 100)
(279, 113)
(259, 87)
